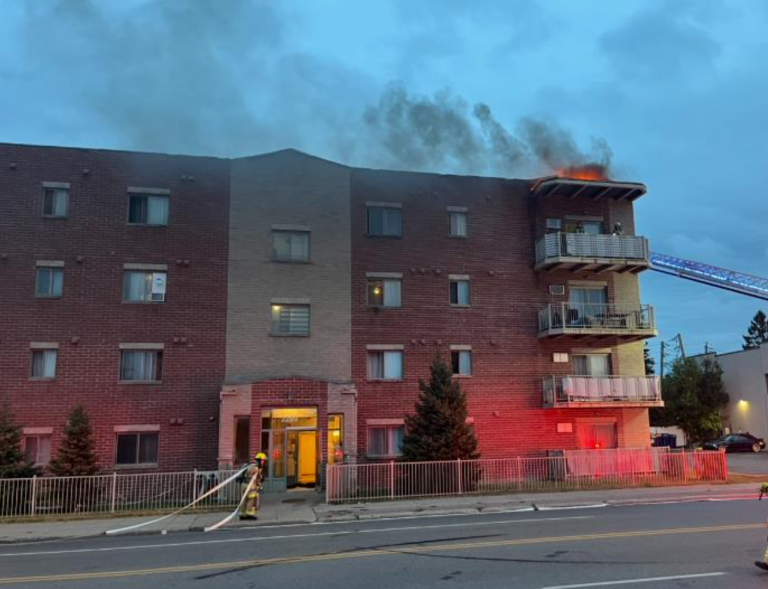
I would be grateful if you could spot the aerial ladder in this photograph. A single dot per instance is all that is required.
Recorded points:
(739, 282)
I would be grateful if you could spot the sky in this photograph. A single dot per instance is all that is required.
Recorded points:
(669, 93)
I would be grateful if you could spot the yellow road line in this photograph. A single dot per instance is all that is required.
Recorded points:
(415, 549)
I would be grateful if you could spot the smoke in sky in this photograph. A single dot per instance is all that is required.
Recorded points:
(214, 78)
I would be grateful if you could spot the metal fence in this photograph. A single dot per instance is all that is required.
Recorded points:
(573, 470)
(113, 493)
(585, 245)
(597, 389)
(598, 316)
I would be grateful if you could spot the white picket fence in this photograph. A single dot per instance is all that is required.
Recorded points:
(113, 493)
(573, 470)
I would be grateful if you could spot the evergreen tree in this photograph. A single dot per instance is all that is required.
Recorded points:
(650, 362)
(757, 332)
(76, 456)
(438, 429)
(13, 463)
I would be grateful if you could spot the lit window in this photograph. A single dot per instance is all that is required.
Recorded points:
(457, 224)
(461, 362)
(384, 293)
(385, 365)
(37, 449)
(560, 357)
(49, 282)
(384, 221)
(290, 319)
(55, 202)
(385, 441)
(290, 246)
(335, 438)
(44, 363)
(460, 293)
(137, 448)
(141, 365)
(142, 286)
(144, 209)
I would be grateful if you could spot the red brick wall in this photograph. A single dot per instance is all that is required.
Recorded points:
(509, 361)
(91, 307)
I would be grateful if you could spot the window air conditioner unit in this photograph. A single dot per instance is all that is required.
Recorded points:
(554, 224)
(557, 290)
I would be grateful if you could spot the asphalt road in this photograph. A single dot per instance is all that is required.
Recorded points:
(696, 545)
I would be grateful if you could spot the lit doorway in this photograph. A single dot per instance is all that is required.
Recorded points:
(290, 437)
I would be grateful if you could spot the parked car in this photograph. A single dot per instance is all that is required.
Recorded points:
(736, 443)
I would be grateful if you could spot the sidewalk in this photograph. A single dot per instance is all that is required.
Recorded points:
(307, 507)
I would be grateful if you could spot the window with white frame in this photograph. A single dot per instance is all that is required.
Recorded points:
(385, 441)
(141, 365)
(384, 221)
(49, 282)
(290, 246)
(461, 362)
(384, 292)
(290, 319)
(385, 364)
(37, 449)
(460, 292)
(592, 364)
(146, 286)
(55, 202)
(147, 209)
(139, 448)
(44, 363)
(457, 223)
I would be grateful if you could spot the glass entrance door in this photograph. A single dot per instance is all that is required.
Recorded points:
(290, 435)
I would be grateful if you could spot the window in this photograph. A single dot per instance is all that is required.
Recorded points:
(385, 441)
(560, 357)
(385, 365)
(44, 363)
(592, 365)
(141, 365)
(290, 319)
(49, 282)
(457, 224)
(587, 305)
(460, 293)
(137, 448)
(145, 209)
(290, 246)
(384, 221)
(144, 286)
(461, 362)
(37, 449)
(55, 202)
(335, 438)
(590, 227)
(384, 293)
(597, 435)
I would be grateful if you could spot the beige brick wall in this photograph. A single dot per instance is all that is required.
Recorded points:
(635, 430)
(289, 188)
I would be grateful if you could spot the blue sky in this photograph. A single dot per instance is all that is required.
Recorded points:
(678, 90)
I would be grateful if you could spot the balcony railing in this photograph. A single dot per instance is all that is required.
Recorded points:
(596, 319)
(642, 391)
(589, 251)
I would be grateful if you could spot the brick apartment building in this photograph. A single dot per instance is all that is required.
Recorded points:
(211, 307)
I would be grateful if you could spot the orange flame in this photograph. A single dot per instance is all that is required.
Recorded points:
(595, 172)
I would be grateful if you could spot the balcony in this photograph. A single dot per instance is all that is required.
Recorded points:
(602, 391)
(584, 252)
(597, 321)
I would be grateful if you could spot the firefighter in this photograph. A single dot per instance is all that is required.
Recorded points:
(764, 563)
(255, 473)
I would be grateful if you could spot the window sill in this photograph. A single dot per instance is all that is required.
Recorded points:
(382, 308)
(375, 236)
(139, 382)
(289, 335)
(42, 378)
(461, 376)
(143, 302)
(457, 306)
(48, 297)
(279, 261)
(384, 380)
(59, 217)
(136, 466)
(145, 225)
(458, 236)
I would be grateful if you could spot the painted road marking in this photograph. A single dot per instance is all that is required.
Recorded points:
(631, 581)
(290, 536)
(415, 549)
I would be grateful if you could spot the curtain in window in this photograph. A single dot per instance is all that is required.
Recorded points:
(56, 201)
(44, 364)
(391, 293)
(465, 362)
(458, 224)
(393, 365)
(148, 448)
(157, 213)
(377, 441)
(139, 365)
(375, 365)
(592, 365)
(396, 440)
(391, 222)
(137, 286)
(290, 245)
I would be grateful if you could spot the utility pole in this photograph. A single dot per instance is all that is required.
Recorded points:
(663, 358)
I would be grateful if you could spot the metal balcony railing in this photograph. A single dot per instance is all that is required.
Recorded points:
(591, 247)
(601, 389)
(596, 316)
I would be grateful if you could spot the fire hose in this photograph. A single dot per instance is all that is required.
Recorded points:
(198, 500)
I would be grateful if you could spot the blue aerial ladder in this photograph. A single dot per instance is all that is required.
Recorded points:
(739, 282)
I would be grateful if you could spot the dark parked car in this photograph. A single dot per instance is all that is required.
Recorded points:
(737, 443)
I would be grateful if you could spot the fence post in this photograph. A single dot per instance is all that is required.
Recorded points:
(519, 474)
(392, 479)
(113, 500)
(685, 466)
(33, 505)
(194, 485)
(458, 467)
